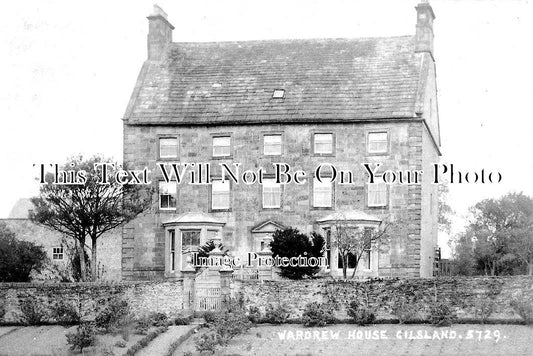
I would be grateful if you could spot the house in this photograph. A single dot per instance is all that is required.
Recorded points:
(300, 102)
(60, 248)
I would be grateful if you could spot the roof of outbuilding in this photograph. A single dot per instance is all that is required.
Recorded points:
(323, 79)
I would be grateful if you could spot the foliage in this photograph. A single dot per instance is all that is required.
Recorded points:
(277, 314)
(2, 309)
(65, 313)
(441, 313)
(524, 308)
(444, 210)
(84, 336)
(210, 317)
(483, 308)
(498, 239)
(291, 243)
(317, 314)
(352, 241)
(231, 324)
(208, 342)
(18, 258)
(403, 309)
(183, 320)
(120, 343)
(142, 326)
(361, 313)
(254, 314)
(88, 210)
(112, 315)
(142, 343)
(33, 312)
(158, 319)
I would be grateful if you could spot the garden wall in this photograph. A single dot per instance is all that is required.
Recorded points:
(142, 297)
(464, 293)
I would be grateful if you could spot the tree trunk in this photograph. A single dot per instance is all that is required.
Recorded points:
(344, 266)
(94, 267)
(81, 252)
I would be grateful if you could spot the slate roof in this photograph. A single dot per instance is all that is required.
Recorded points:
(323, 79)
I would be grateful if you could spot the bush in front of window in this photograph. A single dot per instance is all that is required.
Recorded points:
(292, 243)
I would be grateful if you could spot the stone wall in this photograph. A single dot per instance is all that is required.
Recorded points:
(463, 293)
(142, 297)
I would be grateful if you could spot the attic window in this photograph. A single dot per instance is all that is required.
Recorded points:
(278, 94)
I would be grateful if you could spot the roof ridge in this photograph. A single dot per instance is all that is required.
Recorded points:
(294, 39)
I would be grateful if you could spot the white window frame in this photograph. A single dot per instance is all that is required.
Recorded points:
(174, 153)
(216, 191)
(168, 189)
(371, 140)
(172, 255)
(376, 188)
(225, 148)
(318, 139)
(58, 253)
(274, 189)
(275, 148)
(325, 186)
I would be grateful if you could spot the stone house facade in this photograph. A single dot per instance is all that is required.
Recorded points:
(342, 102)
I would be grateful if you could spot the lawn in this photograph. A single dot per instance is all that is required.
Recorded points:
(51, 340)
(384, 339)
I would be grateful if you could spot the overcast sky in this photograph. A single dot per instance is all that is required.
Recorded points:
(69, 67)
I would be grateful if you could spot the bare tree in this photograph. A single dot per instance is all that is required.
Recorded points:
(353, 239)
(87, 211)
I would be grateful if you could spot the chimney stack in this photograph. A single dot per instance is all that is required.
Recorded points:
(159, 33)
(424, 28)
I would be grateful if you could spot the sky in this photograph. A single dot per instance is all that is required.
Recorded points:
(68, 69)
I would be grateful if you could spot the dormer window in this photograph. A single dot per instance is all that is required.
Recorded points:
(278, 94)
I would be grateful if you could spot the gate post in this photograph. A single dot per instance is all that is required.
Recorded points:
(225, 282)
(189, 275)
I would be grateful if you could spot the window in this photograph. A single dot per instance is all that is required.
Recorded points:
(168, 147)
(167, 195)
(278, 94)
(328, 246)
(57, 253)
(220, 195)
(272, 145)
(172, 242)
(377, 194)
(351, 260)
(271, 193)
(367, 252)
(378, 142)
(323, 143)
(222, 146)
(322, 193)
(190, 240)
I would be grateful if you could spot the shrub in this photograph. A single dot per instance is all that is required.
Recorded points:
(231, 324)
(142, 343)
(317, 314)
(2, 309)
(254, 314)
(84, 336)
(361, 314)
(441, 313)
(18, 258)
(210, 317)
(208, 342)
(64, 313)
(276, 314)
(32, 312)
(483, 308)
(403, 309)
(142, 326)
(523, 308)
(291, 243)
(158, 319)
(183, 320)
(120, 343)
(112, 315)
